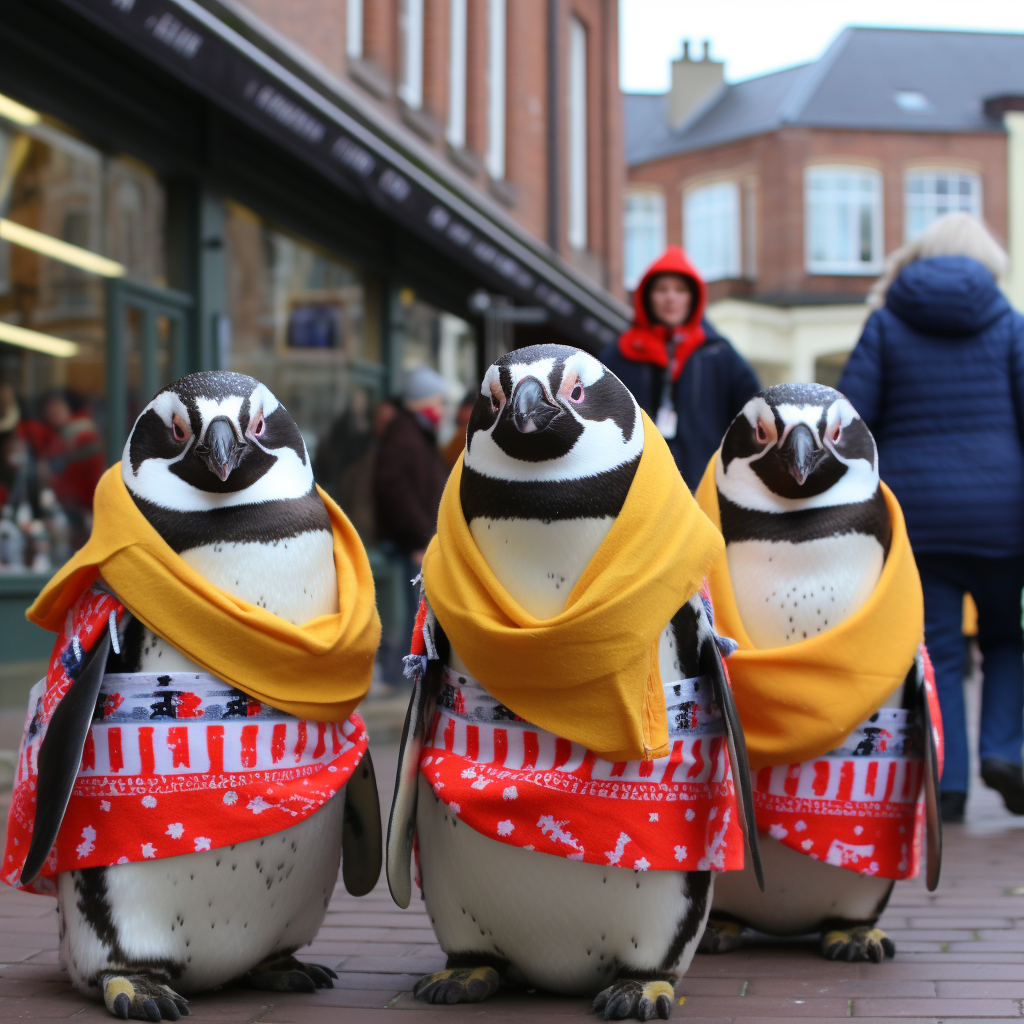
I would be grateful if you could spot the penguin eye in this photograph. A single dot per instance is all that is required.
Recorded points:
(261, 425)
(179, 428)
(494, 404)
(762, 434)
(837, 432)
(576, 395)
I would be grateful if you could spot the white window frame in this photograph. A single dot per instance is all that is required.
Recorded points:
(850, 264)
(929, 201)
(711, 229)
(577, 135)
(494, 160)
(455, 132)
(643, 234)
(354, 29)
(410, 89)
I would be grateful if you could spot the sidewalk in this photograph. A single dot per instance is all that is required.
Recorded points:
(960, 955)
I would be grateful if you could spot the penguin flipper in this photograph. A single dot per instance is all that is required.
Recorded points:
(361, 845)
(402, 822)
(713, 666)
(60, 755)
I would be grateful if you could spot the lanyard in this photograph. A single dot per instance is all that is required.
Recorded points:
(666, 418)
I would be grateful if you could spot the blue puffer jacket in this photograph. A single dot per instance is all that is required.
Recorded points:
(938, 376)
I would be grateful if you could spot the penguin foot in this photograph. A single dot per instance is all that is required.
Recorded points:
(286, 974)
(636, 1000)
(142, 997)
(458, 985)
(857, 942)
(720, 936)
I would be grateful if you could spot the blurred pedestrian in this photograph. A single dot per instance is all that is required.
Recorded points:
(409, 476)
(681, 371)
(453, 449)
(938, 376)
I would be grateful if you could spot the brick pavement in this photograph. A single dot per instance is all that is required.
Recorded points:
(960, 956)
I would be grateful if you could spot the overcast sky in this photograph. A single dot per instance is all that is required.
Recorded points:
(755, 36)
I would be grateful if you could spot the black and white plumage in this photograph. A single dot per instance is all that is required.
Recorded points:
(552, 447)
(805, 524)
(219, 468)
(807, 532)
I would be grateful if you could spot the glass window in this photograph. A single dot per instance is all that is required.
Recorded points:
(843, 207)
(932, 193)
(70, 217)
(711, 229)
(354, 29)
(496, 89)
(410, 25)
(301, 320)
(644, 231)
(577, 134)
(456, 130)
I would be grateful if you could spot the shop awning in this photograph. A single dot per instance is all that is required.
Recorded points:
(236, 74)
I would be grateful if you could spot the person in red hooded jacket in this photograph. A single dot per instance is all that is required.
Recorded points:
(683, 374)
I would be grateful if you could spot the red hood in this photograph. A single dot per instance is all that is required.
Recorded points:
(672, 261)
(645, 342)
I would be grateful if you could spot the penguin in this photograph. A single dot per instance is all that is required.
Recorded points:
(553, 444)
(219, 468)
(807, 532)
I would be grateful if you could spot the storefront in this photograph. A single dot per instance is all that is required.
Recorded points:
(174, 197)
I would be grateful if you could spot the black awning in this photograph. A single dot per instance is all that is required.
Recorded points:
(212, 58)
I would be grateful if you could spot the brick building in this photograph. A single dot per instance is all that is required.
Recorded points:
(518, 99)
(789, 189)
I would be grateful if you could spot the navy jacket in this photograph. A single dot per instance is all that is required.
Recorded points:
(938, 376)
(715, 384)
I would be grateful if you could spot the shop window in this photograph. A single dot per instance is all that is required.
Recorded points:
(644, 233)
(931, 193)
(711, 229)
(456, 130)
(843, 211)
(301, 321)
(65, 239)
(495, 159)
(577, 157)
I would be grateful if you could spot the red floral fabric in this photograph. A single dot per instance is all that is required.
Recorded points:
(860, 807)
(174, 763)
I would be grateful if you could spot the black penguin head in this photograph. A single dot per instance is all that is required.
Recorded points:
(212, 440)
(797, 443)
(549, 414)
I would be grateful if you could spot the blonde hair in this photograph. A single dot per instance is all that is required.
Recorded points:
(956, 234)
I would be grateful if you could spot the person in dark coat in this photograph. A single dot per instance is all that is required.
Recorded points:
(683, 374)
(938, 376)
(408, 480)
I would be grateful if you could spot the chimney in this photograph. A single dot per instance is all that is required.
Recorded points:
(693, 81)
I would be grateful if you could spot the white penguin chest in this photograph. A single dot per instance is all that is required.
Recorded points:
(539, 562)
(789, 592)
(293, 578)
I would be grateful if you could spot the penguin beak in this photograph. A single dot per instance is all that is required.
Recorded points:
(531, 411)
(222, 451)
(800, 454)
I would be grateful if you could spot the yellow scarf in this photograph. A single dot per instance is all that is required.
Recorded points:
(800, 701)
(589, 674)
(320, 670)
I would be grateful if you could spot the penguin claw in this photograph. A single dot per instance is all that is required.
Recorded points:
(457, 985)
(859, 943)
(639, 1000)
(720, 936)
(142, 997)
(286, 974)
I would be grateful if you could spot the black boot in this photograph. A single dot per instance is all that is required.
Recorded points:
(1007, 779)
(951, 807)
